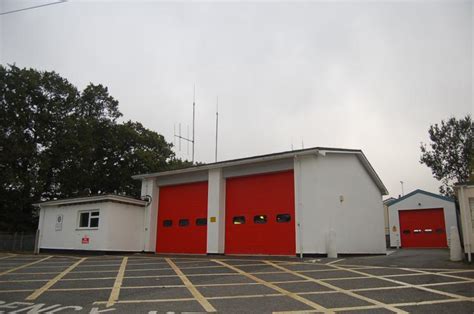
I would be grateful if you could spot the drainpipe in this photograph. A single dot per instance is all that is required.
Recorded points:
(467, 238)
(299, 205)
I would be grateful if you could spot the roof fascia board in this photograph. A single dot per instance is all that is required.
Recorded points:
(441, 197)
(226, 164)
(89, 199)
(317, 151)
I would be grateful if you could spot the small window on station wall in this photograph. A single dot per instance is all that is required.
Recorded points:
(94, 220)
(260, 219)
(283, 218)
(201, 222)
(183, 222)
(89, 219)
(238, 220)
(167, 223)
(84, 220)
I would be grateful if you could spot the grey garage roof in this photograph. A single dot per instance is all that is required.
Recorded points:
(93, 199)
(445, 198)
(262, 158)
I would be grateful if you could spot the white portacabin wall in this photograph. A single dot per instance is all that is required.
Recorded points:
(125, 232)
(114, 218)
(419, 201)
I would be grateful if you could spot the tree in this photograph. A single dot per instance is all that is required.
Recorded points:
(450, 152)
(59, 142)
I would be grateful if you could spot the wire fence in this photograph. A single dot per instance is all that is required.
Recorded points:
(17, 241)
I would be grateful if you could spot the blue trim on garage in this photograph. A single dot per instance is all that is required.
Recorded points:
(441, 197)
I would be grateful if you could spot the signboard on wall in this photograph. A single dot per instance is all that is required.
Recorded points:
(59, 222)
(85, 240)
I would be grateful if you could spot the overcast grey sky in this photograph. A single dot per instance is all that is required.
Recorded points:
(369, 75)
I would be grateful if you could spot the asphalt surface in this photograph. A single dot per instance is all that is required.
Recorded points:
(418, 281)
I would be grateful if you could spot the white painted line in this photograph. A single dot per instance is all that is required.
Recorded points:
(287, 293)
(443, 275)
(349, 293)
(336, 261)
(147, 301)
(452, 295)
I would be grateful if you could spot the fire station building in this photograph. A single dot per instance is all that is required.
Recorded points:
(278, 204)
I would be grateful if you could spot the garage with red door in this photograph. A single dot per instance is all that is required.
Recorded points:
(421, 219)
(182, 219)
(260, 214)
(423, 228)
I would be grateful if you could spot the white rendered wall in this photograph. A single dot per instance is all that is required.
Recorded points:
(150, 188)
(466, 199)
(216, 208)
(425, 202)
(320, 182)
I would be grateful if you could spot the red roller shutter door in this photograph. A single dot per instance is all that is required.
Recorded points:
(182, 219)
(423, 228)
(260, 214)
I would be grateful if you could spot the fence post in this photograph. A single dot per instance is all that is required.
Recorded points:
(37, 241)
(21, 240)
(14, 241)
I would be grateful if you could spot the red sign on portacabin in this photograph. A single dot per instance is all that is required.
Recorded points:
(85, 240)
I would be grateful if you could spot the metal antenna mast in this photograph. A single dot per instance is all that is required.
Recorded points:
(217, 124)
(187, 139)
(194, 110)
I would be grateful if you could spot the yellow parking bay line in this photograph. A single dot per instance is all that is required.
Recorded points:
(287, 293)
(50, 283)
(328, 285)
(114, 294)
(195, 292)
(24, 266)
(8, 256)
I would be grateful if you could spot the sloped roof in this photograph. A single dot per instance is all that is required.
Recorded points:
(281, 155)
(418, 191)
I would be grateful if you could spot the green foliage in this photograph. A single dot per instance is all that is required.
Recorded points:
(450, 152)
(59, 142)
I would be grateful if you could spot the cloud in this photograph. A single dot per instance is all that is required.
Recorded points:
(358, 74)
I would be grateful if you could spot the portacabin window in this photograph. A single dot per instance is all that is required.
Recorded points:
(89, 219)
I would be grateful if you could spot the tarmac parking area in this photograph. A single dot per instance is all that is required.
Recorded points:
(155, 284)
